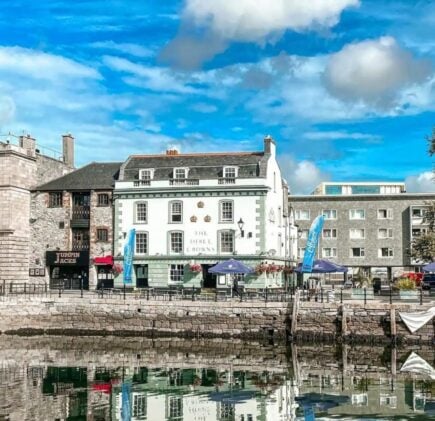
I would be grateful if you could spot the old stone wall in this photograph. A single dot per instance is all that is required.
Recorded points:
(140, 317)
(49, 168)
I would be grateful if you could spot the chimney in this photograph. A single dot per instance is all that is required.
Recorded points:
(28, 143)
(269, 145)
(68, 149)
(172, 151)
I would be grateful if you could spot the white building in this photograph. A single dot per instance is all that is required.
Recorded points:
(191, 211)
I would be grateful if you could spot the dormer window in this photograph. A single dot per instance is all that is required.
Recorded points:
(180, 173)
(230, 172)
(146, 175)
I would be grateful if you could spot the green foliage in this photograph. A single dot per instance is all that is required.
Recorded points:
(423, 248)
(405, 284)
(429, 215)
(431, 141)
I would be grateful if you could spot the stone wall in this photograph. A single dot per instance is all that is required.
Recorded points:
(49, 168)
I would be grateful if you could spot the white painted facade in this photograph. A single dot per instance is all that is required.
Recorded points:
(259, 201)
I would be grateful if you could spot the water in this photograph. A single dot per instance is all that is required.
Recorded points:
(84, 378)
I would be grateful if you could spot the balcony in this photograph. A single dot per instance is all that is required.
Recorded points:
(80, 217)
(226, 180)
(80, 245)
(184, 182)
(140, 183)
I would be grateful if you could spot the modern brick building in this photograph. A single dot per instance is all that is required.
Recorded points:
(367, 225)
(22, 167)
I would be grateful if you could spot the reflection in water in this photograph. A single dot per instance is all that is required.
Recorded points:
(76, 379)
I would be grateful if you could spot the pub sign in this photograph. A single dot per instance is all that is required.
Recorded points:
(67, 258)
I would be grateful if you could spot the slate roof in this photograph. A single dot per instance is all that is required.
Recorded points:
(94, 176)
(201, 166)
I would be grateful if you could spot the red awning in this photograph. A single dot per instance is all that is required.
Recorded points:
(106, 260)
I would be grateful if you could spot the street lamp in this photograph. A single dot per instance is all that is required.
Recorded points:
(241, 224)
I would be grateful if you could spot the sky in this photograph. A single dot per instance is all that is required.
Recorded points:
(345, 87)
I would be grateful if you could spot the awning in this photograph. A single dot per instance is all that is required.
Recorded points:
(106, 260)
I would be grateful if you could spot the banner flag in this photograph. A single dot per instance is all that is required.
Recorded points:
(311, 247)
(128, 256)
(126, 402)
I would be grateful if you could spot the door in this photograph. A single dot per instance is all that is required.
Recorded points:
(141, 272)
(208, 278)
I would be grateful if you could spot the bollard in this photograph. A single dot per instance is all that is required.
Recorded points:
(124, 291)
(321, 295)
(59, 292)
(421, 296)
(365, 296)
(391, 295)
(81, 288)
(341, 295)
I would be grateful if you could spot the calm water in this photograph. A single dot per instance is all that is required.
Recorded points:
(55, 378)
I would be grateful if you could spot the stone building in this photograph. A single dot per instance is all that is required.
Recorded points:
(191, 211)
(22, 167)
(71, 227)
(367, 225)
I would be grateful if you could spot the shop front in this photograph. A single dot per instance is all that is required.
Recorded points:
(105, 275)
(68, 269)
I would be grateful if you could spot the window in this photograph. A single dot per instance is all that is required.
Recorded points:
(226, 241)
(417, 213)
(103, 199)
(302, 215)
(139, 405)
(329, 233)
(230, 172)
(145, 175)
(417, 232)
(331, 190)
(226, 211)
(385, 233)
(301, 252)
(176, 242)
(141, 243)
(357, 214)
(102, 234)
(55, 200)
(330, 213)
(141, 213)
(176, 273)
(329, 252)
(357, 252)
(385, 252)
(175, 212)
(356, 233)
(385, 213)
(304, 234)
(175, 408)
(180, 173)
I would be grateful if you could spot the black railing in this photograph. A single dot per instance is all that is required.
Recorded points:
(81, 212)
(80, 245)
(139, 183)
(226, 180)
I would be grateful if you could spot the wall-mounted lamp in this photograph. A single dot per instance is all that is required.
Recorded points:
(241, 224)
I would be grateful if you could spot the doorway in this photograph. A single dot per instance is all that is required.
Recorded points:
(209, 279)
(141, 276)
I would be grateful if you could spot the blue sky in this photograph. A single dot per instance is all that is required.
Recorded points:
(346, 87)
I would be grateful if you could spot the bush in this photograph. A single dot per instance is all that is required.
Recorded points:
(405, 284)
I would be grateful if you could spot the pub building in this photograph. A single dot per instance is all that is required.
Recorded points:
(71, 228)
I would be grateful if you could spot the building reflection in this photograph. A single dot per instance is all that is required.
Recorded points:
(335, 382)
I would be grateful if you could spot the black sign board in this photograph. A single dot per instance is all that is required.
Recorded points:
(67, 258)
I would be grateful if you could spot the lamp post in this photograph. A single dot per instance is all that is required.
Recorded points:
(241, 224)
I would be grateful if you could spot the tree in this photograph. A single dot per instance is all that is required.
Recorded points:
(431, 140)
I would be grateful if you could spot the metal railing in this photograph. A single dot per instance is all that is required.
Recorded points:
(81, 212)
(184, 182)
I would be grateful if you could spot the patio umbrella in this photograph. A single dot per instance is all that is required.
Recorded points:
(230, 266)
(323, 266)
(429, 268)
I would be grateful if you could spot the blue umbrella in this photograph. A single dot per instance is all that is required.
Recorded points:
(429, 268)
(323, 266)
(230, 266)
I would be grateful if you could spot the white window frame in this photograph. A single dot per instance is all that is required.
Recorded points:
(146, 174)
(170, 243)
(221, 212)
(362, 253)
(351, 237)
(329, 218)
(388, 236)
(332, 254)
(147, 243)
(388, 212)
(176, 270)
(230, 168)
(390, 252)
(225, 232)
(172, 213)
(353, 213)
(298, 213)
(177, 176)
(136, 219)
(332, 237)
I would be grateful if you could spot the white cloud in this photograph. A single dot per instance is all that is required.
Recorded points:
(153, 78)
(374, 71)
(302, 176)
(337, 135)
(135, 50)
(421, 183)
(41, 65)
(256, 20)
(7, 109)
